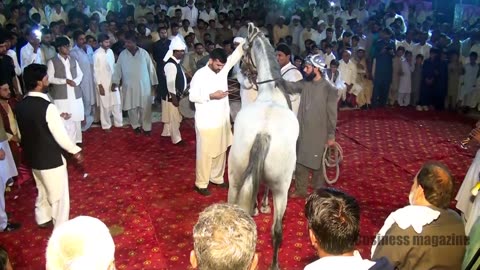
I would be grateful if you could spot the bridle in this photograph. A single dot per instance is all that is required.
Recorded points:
(250, 67)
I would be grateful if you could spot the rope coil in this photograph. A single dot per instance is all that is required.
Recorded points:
(332, 157)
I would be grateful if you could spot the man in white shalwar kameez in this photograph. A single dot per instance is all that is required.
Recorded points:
(65, 76)
(139, 79)
(176, 85)
(289, 72)
(209, 92)
(109, 101)
(7, 171)
(83, 54)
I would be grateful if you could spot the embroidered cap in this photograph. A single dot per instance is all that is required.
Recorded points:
(316, 60)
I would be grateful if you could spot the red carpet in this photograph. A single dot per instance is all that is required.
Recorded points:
(142, 188)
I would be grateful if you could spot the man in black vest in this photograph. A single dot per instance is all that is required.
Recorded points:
(43, 138)
(176, 85)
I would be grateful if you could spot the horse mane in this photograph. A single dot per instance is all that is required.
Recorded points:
(274, 66)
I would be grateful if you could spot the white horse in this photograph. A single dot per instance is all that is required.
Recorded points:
(264, 144)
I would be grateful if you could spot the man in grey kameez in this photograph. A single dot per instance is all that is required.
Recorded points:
(139, 80)
(317, 116)
(83, 53)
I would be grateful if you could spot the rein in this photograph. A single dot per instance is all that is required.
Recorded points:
(250, 65)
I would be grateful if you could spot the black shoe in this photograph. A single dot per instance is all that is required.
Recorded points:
(180, 143)
(46, 224)
(222, 185)
(147, 133)
(137, 130)
(10, 182)
(12, 227)
(202, 191)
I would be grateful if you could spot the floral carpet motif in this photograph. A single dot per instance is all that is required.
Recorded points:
(142, 188)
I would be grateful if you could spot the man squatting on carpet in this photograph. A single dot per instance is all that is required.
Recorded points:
(43, 138)
(317, 116)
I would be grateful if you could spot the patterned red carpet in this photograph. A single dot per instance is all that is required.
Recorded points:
(142, 188)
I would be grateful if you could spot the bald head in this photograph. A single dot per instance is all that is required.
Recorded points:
(436, 182)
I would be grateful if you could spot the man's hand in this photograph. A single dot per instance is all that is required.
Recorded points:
(175, 100)
(219, 94)
(2, 154)
(15, 138)
(101, 90)
(476, 134)
(71, 83)
(153, 92)
(331, 142)
(65, 116)
(78, 157)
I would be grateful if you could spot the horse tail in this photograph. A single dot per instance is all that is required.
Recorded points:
(254, 172)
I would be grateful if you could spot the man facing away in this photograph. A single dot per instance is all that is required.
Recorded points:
(109, 99)
(65, 75)
(176, 85)
(317, 117)
(289, 72)
(428, 217)
(334, 227)
(83, 54)
(209, 92)
(94, 246)
(224, 237)
(43, 139)
(136, 71)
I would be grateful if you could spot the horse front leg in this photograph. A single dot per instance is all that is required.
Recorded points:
(265, 209)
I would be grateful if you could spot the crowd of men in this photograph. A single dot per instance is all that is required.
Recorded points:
(101, 59)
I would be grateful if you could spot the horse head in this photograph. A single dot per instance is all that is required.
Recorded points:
(259, 58)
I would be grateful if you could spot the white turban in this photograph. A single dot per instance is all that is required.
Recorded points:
(80, 243)
(176, 44)
(312, 2)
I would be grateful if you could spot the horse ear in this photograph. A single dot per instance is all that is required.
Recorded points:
(251, 29)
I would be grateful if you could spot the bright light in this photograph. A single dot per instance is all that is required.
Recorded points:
(332, 4)
(38, 33)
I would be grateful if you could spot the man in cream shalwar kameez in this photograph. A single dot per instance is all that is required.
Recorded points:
(208, 89)
(83, 54)
(65, 73)
(176, 85)
(103, 66)
(139, 79)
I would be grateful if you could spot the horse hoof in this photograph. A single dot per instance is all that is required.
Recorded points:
(265, 209)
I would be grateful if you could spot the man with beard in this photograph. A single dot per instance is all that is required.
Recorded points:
(209, 92)
(83, 54)
(135, 70)
(43, 139)
(317, 116)
(109, 99)
(7, 66)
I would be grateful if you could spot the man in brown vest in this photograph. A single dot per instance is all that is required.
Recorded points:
(65, 75)
(425, 234)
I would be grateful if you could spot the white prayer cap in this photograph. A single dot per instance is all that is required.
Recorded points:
(320, 22)
(295, 17)
(282, 17)
(238, 40)
(80, 243)
(360, 48)
(312, 2)
(176, 44)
